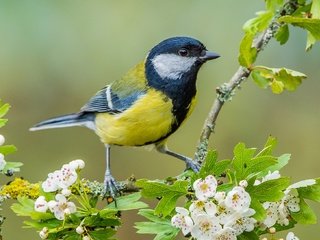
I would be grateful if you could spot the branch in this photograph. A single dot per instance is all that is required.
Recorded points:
(226, 90)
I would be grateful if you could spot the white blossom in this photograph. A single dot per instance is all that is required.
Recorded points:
(77, 164)
(86, 237)
(291, 236)
(205, 226)
(2, 140)
(238, 199)
(41, 204)
(2, 162)
(243, 183)
(225, 234)
(182, 220)
(220, 196)
(67, 176)
(272, 213)
(66, 192)
(61, 207)
(202, 207)
(44, 233)
(206, 188)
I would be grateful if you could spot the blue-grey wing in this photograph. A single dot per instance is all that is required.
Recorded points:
(108, 101)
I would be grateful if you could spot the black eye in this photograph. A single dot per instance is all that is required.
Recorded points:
(183, 52)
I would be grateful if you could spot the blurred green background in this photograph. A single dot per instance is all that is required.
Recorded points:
(54, 55)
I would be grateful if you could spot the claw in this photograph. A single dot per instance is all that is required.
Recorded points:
(193, 165)
(111, 186)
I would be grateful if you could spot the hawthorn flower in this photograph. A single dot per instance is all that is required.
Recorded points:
(241, 221)
(77, 164)
(41, 204)
(202, 207)
(2, 162)
(182, 220)
(291, 236)
(205, 227)
(225, 234)
(2, 140)
(243, 183)
(272, 213)
(238, 199)
(67, 176)
(206, 188)
(61, 207)
(50, 184)
(220, 196)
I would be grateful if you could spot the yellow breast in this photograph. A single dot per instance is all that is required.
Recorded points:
(148, 120)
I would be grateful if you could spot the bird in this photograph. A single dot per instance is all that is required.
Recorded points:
(147, 105)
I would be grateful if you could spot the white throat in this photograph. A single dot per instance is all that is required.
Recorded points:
(172, 66)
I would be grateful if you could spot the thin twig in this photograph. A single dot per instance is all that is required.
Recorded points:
(226, 90)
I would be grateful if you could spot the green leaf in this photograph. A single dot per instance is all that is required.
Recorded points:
(7, 149)
(241, 157)
(270, 191)
(4, 109)
(282, 161)
(169, 194)
(259, 23)
(305, 215)
(161, 227)
(311, 192)
(102, 234)
(258, 164)
(268, 147)
(278, 78)
(315, 11)
(208, 165)
(261, 213)
(312, 25)
(282, 35)
(247, 53)
(272, 5)
(3, 122)
(128, 202)
(12, 166)
(248, 236)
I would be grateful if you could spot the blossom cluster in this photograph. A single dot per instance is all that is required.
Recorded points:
(219, 215)
(59, 181)
(279, 212)
(2, 160)
(215, 214)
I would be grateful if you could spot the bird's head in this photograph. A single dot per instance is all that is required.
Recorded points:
(174, 57)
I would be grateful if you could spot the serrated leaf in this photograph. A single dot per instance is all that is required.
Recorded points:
(282, 161)
(259, 23)
(278, 78)
(7, 149)
(311, 192)
(3, 122)
(247, 53)
(282, 35)
(128, 202)
(270, 191)
(221, 167)
(315, 11)
(102, 234)
(169, 194)
(268, 147)
(312, 25)
(4, 109)
(208, 165)
(277, 86)
(258, 164)
(305, 215)
(248, 236)
(261, 213)
(272, 5)
(241, 156)
(161, 227)
(259, 79)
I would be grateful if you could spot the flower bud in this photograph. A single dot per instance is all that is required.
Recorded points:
(79, 230)
(2, 139)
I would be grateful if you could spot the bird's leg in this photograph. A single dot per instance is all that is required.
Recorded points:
(111, 186)
(193, 165)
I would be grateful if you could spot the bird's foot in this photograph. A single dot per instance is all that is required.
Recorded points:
(193, 165)
(111, 186)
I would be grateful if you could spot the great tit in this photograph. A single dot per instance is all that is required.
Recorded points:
(146, 105)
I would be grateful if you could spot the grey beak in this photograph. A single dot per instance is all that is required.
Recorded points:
(209, 56)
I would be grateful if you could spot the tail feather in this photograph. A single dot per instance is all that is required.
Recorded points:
(69, 120)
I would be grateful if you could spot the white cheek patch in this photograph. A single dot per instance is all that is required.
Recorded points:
(172, 66)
